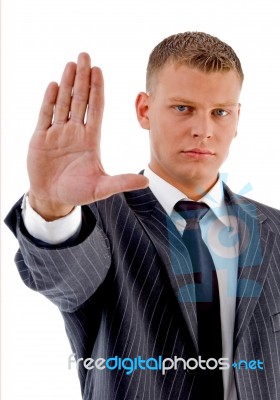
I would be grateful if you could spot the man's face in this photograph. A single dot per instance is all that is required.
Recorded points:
(192, 117)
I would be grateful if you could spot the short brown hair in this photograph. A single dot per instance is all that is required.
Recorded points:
(194, 49)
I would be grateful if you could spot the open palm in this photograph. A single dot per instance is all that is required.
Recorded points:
(64, 163)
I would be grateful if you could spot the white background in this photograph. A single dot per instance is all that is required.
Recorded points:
(38, 38)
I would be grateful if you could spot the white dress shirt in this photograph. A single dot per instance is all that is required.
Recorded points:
(219, 232)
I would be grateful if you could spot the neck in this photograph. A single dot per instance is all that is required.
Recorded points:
(193, 189)
(194, 192)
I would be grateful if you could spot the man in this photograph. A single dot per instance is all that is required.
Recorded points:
(127, 269)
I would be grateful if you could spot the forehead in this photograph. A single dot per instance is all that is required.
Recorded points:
(183, 81)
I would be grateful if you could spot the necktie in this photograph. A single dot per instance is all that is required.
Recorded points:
(207, 297)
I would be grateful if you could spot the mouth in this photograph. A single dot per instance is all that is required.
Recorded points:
(198, 153)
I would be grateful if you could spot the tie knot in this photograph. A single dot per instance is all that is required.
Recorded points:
(191, 210)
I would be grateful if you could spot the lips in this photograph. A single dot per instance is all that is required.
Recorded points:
(199, 151)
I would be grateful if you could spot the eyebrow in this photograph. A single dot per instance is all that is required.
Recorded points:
(191, 103)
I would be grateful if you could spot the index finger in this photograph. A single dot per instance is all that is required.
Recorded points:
(47, 107)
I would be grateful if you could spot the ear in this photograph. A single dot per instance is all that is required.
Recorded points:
(239, 107)
(142, 110)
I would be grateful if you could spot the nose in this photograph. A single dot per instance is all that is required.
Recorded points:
(202, 126)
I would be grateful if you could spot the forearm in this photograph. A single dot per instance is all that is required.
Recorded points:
(66, 275)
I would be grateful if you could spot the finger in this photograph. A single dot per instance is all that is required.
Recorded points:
(81, 88)
(46, 111)
(64, 97)
(96, 100)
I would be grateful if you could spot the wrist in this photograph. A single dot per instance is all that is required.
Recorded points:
(48, 209)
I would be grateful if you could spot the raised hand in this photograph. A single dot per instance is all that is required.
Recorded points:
(64, 164)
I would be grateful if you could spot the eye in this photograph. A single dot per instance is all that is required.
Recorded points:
(221, 113)
(181, 108)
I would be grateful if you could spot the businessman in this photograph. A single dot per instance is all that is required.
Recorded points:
(168, 283)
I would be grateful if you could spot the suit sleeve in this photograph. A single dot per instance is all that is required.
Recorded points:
(68, 274)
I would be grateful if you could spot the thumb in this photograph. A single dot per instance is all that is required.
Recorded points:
(121, 183)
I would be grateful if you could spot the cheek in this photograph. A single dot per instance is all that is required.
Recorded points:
(157, 144)
(160, 132)
(224, 146)
(161, 144)
(225, 136)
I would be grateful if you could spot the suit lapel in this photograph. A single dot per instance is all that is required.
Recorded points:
(171, 251)
(255, 250)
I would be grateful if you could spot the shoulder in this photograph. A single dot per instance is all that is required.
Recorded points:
(272, 214)
(268, 211)
(255, 209)
(265, 208)
(237, 199)
(262, 212)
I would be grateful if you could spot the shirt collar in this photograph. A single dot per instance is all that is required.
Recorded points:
(214, 198)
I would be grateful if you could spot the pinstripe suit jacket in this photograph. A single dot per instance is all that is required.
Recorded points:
(116, 286)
